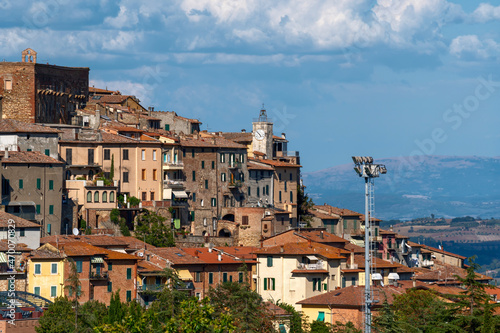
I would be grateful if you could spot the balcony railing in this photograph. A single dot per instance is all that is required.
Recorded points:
(173, 165)
(316, 266)
(427, 263)
(173, 183)
(235, 184)
(98, 276)
(149, 287)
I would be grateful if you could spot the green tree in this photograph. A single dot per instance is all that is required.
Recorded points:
(91, 314)
(152, 229)
(116, 309)
(58, 318)
(298, 324)
(348, 327)
(386, 321)
(320, 327)
(74, 287)
(245, 305)
(304, 204)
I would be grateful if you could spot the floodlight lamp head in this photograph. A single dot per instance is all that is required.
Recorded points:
(383, 169)
(358, 170)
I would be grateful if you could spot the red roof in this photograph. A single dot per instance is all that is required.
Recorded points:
(16, 126)
(32, 157)
(19, 222)
(304, 248)
(336, 210)
(204, 254)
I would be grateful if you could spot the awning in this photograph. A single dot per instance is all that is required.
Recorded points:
(321, 316)
(97, 260)
(377, 277)
(312, 258)
(184, 275)
(21, 203)
(180, 194)
(393, 276)
(282, 328)
(3, 257)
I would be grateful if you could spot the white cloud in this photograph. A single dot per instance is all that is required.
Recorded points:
(125, 19)
(142, 91)
(470, 46)
(486, 12)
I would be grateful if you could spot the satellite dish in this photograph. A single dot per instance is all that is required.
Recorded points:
(75, 231)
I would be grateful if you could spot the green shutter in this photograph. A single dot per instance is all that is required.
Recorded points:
(210, 278)
(53, 291)
(38, 269)
(51, 184)
(49, 228)
(129, 273)
(47, 152)
(167, 127)
(224, 277)
(129, 295)
(194, 175)
(20, 184)
(273, 280)
(79, 266)
(51, 209)
(110, 286)
(38, 184)
(269, 261)
(36, 291)
(240, 277)
(213, 164)
(265, 283)
(203, 164)
(110, 266)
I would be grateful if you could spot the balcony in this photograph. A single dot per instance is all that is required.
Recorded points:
(141, 288)
(173, 184)
(317, 266)
(98, 275)
(234, 165)
(176, 165)
(281, 153)
(235, 184)
(427, 263)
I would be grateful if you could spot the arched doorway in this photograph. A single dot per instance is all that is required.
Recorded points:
(224, 233)
(228, 217)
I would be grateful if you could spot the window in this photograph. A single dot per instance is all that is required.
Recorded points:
(155, 174)
(38, 268)
(90, 156)
(194, 175)
(206, 183)
(129, 273)
(143, 174)
(96, 196)
(242, 158)
(321, 316)
(111, 196)
(192, 152)
(53, 269)
(125, 176)
(79, 266)
(213, 164)
(167, 127)
(269, 284)
(214, 202)
(291, 176)
(104, 196)
(110, 286)
(8, 85)
(197, 276)
(202, 203)
(279, 176)
(280, 196)
(203, 164)
(21, 184)
(47, 152)
(36, 291)
(267, 190)
(125, 154)
(183, 152)
(38, 209)
(191, 216)
(129, 295)
(291, 197)
(51, 210)
(249, 191)
(285, 186)
(269, 261)
(204, 221)
(107, 154)
(222, 157)
(210, 278)
(345, 224)
(152, 196)
(316, 284)
(223, 177)
(154, 154)
(38, 184)
(51, 185)
(193, 197)
(240, 277)
(143, 154)
(22, 232)
(144, 196)
(244, 220)
(224, 277)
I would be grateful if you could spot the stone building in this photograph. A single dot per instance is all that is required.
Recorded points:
(170, 121)
(41, 93)
(20, 136)
(260, 184)
(215, 173)
(32, 186)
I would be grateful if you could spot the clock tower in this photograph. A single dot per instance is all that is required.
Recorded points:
(262, 140)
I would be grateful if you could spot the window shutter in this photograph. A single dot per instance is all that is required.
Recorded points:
(265, 284)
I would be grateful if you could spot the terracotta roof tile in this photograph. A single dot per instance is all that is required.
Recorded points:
(238, 136)
(321, 236)
(433, 249)
(20, 247)
(16, 126)
(304, 248)
(176, 256)
(214, 142)
(96, 240)
(256, 166)
(203, 254)
(46, 252)
(275, 163)
(336, 210)
(241, 252)
(32, 157)
(323, 216)
(19, 222)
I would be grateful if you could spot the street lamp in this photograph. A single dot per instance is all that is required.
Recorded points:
(364, 167)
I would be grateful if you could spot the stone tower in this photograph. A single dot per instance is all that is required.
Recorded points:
(262, 140)
(29, 55)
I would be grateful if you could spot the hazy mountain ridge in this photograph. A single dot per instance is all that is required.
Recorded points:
(414, 187)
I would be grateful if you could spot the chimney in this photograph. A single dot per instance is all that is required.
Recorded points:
(98, 119)
(283, 135)
(282, 249)
(219, 257)
(6, 156)
(243, 131)
(414, 282)
(321, 235)
(310, 242)
(261, 243)
(352, 258)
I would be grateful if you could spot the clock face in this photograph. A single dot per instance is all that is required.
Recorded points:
(260, 134)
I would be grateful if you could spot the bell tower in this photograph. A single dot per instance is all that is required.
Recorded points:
(262, 140)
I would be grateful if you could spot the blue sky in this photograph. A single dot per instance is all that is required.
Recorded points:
(385, 78)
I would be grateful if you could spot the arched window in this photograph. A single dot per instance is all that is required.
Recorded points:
(104, 196)
(96, 196)
(89, 196)
(111, 196)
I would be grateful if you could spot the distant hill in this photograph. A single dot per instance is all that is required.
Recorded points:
(446, 186)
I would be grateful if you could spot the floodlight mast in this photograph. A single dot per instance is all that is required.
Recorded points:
(365, 168)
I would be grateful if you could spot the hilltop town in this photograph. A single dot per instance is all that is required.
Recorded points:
(99, 187)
